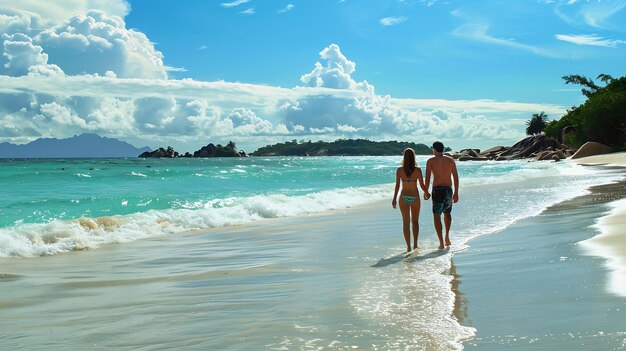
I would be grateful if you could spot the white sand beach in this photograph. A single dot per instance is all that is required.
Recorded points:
(611, 242)
(613, 159)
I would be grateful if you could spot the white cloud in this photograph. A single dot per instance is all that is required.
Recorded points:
(234, 3)
(392, 21)
(56, 12)
(63, 117)
(103, 43)
(346, 128)
(598, 14)
(89, 43)
(287, 8)
(479, 32)
(248, 12)
(591, 39)
(594, 13)
(157, 109)
(336, 73)
(22, 55)
(370, 115)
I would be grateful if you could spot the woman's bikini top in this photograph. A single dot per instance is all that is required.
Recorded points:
(409, 180)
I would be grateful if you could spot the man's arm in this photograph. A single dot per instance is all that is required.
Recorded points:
(455, 177)
(428, 170)
(427, 185)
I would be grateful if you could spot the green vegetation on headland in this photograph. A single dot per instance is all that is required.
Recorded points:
(597, 126)
(602, 118)
(341, 147)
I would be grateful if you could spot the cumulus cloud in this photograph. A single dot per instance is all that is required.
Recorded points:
(95, 43)
(23, 56)
(335, 74)
(89, 43)
(45, 12)
(368, 114)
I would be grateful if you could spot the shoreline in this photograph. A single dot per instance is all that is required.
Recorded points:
(566, 264)
(611, 159)
(611, 245)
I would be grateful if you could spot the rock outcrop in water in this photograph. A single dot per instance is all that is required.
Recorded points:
(218, 151)
(538, 147)
(168, 152)
(210, 150)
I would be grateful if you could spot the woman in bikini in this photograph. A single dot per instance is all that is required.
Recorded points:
(409, 174)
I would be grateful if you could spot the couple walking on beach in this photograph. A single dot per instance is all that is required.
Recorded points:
(443, 170)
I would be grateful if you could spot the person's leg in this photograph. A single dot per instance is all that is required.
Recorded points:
(437, 221)
(447, 215)
(415, 217)
(406, 223)
(447, 220)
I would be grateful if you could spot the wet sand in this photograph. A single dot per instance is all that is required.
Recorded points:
(332, 281)
(538, 286)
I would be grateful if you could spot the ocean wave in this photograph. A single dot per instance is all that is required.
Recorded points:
(497, 172)
(59, 236)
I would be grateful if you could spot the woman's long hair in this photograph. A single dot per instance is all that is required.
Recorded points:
(408, 163)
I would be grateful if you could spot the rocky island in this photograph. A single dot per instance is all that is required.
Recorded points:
(210, 150)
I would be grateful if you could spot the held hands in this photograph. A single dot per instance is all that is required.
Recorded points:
(426, 195)
(393, 203)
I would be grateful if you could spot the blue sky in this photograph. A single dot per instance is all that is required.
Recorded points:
(188, 73)
(504, 50)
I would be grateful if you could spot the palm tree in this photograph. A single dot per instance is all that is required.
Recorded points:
(536, 123)
(605, 78)
(584, 81)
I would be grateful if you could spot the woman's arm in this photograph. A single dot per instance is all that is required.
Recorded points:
(395, 193)
(422, 185)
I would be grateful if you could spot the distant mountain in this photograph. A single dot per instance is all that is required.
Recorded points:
(84, 145)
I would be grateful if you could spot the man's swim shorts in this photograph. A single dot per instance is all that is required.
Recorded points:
(442, 199)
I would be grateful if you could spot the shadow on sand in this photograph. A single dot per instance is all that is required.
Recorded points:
(412, 257)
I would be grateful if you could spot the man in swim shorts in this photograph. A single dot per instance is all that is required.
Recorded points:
(443, 169)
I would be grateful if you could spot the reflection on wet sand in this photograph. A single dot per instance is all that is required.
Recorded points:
(460, 302)
(410, 257)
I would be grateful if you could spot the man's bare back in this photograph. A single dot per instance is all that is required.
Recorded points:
(442, 168)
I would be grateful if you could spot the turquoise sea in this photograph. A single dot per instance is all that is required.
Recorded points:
(275, 253)
(53, 206)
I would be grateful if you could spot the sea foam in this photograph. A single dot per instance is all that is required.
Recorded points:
(57, 236)
(610, 244)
